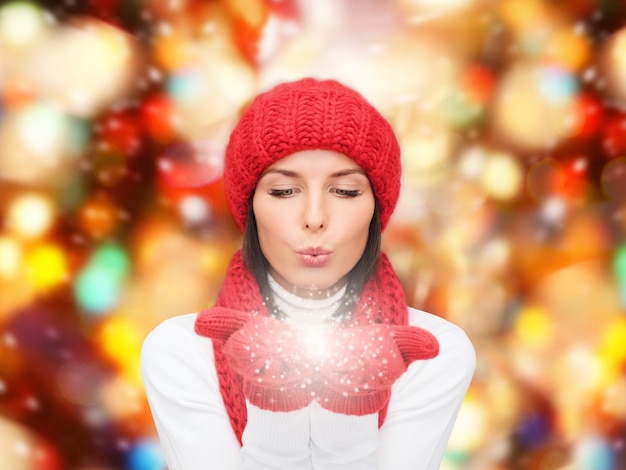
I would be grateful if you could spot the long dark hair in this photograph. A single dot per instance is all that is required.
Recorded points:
(357, 277)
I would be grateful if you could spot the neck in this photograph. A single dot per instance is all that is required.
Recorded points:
(309, 292)
(304, 311)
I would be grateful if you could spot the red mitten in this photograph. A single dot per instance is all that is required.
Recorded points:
(276, 372)
(348, 370)
(415, 343)
(219, 323)
(363, 363)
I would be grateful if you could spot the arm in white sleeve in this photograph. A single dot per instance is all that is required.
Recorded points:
(276, 440)
(183, 392)
(343, 442)
(426, 400)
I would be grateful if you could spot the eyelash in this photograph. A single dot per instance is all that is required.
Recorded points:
(344, 193)
(282, 192)
(347, 192)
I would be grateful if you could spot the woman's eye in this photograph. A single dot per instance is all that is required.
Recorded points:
(282, 192)
(347, 192)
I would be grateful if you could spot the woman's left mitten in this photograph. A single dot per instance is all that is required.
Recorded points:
(363, 363)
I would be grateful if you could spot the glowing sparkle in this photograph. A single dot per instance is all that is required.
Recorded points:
(21, 23)
(30, 215)
(10, 256)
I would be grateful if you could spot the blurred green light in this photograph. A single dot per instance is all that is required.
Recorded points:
(113, 259)
(98, 286)
(619, 263)
(97, 290)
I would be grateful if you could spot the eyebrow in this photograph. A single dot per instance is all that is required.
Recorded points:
(293, 174)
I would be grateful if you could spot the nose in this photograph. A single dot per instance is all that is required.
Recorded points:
(315, 216)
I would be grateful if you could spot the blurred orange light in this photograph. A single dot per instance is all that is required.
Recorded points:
(99, 217)
(568, 48)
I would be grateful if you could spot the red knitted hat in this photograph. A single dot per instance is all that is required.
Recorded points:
(304, 115)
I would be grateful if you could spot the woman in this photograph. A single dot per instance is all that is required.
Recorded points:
(311, 357)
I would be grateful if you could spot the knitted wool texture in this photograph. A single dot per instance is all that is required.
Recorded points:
(347, 369)
(304, 115)
(382, 302)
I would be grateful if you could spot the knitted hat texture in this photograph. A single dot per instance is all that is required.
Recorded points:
(304, 115)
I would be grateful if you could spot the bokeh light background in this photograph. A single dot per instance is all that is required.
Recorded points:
(114, 115)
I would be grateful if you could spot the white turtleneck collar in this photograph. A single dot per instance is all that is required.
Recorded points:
(304, 311)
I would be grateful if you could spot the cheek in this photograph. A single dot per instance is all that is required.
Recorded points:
(355, 226)
(273, 226)
(358, 220)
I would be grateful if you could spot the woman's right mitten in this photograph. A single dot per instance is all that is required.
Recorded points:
(218, 323)
(276, 370)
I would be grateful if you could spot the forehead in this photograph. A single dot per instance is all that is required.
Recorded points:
(316, 160)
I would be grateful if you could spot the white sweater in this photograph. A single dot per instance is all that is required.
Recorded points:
(195, 432)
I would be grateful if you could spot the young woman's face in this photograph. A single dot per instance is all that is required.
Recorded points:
(313, 210)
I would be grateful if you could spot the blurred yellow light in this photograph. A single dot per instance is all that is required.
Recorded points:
(171, 51)
(435, 6)
(16, 445)
(46, 265)
(36, 142)
(121, 398)
(569, 48)
(427, 151)
(534, 327)
(21, 23)
(535, 106)
(505, 400)
(113, 47)
(10, 257)
(618, 50)
(83, 66)
(613, 55)
(30, 215)
(613, 346)
(253, 13)
(215, 259)
(585, 371)
(217, 75)
(519, 14)
(471, 426)
(502, 176)
(121, 342)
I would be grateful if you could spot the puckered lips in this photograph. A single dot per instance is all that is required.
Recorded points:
(314, 257)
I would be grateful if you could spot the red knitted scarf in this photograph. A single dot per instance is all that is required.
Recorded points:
(382, 301)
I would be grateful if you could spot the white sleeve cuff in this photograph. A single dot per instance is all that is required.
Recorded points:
(276, 439)
(341, 441)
